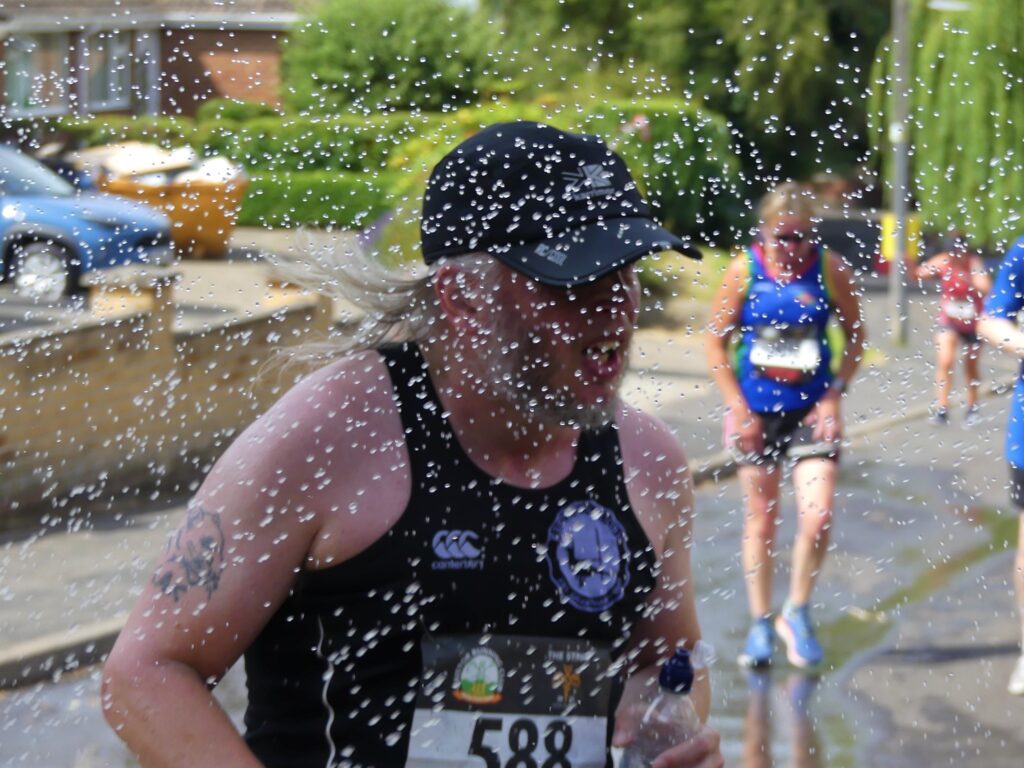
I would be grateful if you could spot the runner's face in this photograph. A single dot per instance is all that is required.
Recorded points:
(788, 238)
(562, 352)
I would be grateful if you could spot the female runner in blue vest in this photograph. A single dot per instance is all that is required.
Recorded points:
(783, 401)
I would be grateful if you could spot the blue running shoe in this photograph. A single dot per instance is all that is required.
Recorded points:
(973, 416)
(760, 645)
(802, 647)
(801, 689)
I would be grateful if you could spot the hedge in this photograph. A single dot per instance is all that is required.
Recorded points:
(233, 110)
(684, 160)
(305, 143)
(267, 142)
(313, 198)
(90, 132)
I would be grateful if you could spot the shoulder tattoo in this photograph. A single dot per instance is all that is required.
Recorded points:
(194, 556)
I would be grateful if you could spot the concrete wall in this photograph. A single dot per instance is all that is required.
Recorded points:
(118, 398)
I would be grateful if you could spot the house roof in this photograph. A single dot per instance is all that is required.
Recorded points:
(60, 14)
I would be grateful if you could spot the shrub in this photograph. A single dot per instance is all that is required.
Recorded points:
(684, 161)
(232, 110)
(267, 143)
(314, 198)
(166, 131)
(388, 54)
(305, 143)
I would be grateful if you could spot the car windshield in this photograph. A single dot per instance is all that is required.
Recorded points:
(21, 175)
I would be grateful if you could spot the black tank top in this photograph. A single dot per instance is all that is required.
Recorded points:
(333, 677)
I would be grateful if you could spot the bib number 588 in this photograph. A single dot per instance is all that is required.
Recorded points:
(523, 742)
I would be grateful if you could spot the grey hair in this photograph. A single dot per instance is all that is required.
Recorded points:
(383, 304)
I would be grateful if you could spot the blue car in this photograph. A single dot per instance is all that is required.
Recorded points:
(51, 233)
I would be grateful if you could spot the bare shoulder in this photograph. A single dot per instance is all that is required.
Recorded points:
(657, 472)
(729, 296)
(314, 451)
(738, 271)
(267, 507)
(328, 411)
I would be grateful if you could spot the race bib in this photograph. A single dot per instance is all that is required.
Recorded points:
(961, 310)
(505, 701)
(785, 356)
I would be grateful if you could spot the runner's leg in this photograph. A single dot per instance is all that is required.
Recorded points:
(757, 725)
(814, 482)
(760, 485)
(945, 360)
(1018, 575)
(972, 369)
(1016, 682)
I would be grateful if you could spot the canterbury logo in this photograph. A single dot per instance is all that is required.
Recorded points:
(590, 180)
(456, 545)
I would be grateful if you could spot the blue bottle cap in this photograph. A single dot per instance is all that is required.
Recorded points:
(677, 673)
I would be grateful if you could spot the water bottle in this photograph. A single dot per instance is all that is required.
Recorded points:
(670, 719)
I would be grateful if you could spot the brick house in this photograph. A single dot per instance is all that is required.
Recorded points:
(138, 56)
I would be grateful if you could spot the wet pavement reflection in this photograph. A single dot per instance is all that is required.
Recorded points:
(790, 696)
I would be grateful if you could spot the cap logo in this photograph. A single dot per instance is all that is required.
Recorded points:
(591, 180)
(551, 254)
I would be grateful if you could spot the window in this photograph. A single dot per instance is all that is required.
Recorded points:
(106, 68)
(146, 85)
(37, 73)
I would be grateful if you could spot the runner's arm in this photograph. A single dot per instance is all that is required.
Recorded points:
(850, 314)
(725, 316)
(930, 268)
(980, 278)
(998, 322)
(1002, 334)
(221, 577)
(660, 489)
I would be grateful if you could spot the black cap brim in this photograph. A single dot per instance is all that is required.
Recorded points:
(583, 255)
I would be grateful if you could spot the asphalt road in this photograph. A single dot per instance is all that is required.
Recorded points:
(915, 600)
(914, 603)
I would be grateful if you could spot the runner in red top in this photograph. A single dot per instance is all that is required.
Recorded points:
(965, 282)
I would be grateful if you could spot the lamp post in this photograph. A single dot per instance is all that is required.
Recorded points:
(898, 137)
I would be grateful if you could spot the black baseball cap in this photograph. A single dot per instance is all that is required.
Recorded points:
(559, 207)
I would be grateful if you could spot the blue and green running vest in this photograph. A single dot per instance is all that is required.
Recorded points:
(783, 360)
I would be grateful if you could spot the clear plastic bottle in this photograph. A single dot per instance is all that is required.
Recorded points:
(670, 719)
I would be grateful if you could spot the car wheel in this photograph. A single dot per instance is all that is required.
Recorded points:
(41, 271)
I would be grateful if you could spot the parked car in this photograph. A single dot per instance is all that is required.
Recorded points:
(51, 233)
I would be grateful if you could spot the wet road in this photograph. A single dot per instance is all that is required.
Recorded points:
(920, 527)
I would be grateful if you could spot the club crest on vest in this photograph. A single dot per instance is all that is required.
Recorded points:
(587, 555)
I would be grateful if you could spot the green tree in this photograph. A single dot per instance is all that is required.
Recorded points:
(967, 116)
(800, 75)
(369, 55)
(790, 75)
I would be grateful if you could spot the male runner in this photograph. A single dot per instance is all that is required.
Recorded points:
(448, 551)
(999, 327)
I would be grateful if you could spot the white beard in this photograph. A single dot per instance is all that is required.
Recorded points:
(517, 372)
